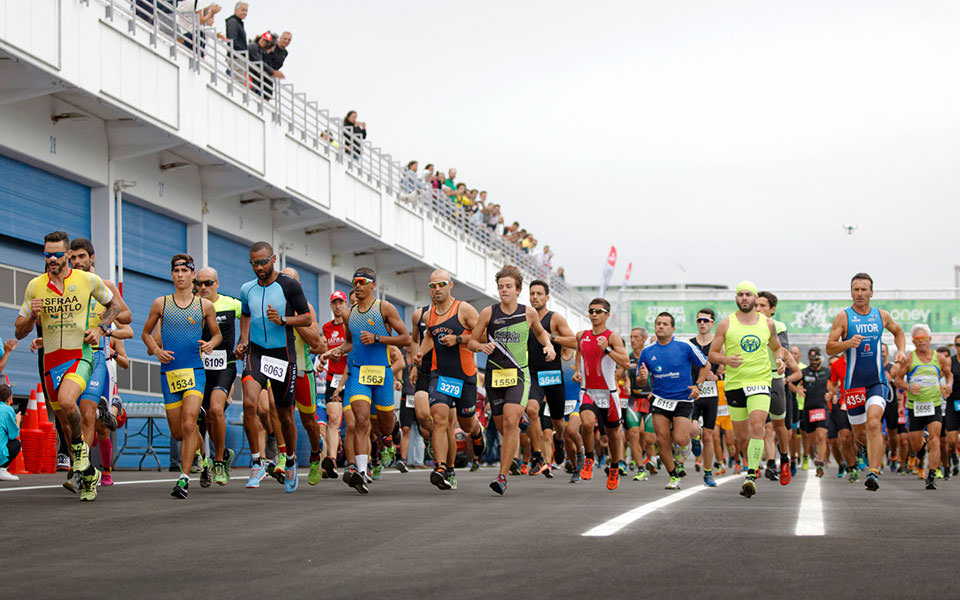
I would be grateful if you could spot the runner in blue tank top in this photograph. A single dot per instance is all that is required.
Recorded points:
(856, 332)
(181, 317)
(369, 380)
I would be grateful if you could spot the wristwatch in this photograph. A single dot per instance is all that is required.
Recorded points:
(283, 319)
(376, 338)
(459, 339)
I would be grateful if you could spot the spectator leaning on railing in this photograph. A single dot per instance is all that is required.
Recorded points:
(276, 57)
(261, 73)
(355, 132)
(235, 30)
(410, 183)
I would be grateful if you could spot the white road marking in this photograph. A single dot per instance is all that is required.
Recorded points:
(617, 523)
(810, 516)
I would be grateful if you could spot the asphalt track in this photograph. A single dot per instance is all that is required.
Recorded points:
(407, 539)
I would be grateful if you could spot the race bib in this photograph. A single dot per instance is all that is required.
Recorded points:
(643, 405)
(273, 368)
(335, 380)
(215, 361)
(817, 415)
(754, 390)
(372, 374)
(409, 401)
(450, 386)
(504, 378)
(923, 409)
(901, 417)
(708, 389)
(601, 398)
(723, 410)
(569, 406)
(57, 373)
(623, 403)
(664, 404)
(855, 397)
(545, 378)
(180, 380)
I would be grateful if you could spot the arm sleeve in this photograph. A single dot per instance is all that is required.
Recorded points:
(99, 290)
(295, 298)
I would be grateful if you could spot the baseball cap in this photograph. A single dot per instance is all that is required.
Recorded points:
(814, 352)
(338, 295)
(267, 36)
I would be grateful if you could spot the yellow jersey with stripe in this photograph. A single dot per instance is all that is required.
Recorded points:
(66, 313)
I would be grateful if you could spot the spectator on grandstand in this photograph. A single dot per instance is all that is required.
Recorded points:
(527, 243)
(436, 180)
(193, 18)
(449, 185)
(9, 433)
(546, 257)
(493, 218)
(354, 133)
(279, 54)
(261, 73)
(235, 30)
(328, 138)
(460, 197)
(410, 183)
(560, 273)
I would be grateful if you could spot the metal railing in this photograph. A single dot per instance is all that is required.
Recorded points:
(305, 121)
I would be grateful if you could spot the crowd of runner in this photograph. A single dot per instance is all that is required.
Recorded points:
(736, 396)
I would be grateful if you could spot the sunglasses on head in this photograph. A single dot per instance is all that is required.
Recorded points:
(260, 262)
(54, 254)
(204, 282)
(596, 311)
(703, 320)
(437, 285)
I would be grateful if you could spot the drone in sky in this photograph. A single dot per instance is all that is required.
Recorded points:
(849, 228)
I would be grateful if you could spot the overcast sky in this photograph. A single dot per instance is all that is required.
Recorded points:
(710, 142)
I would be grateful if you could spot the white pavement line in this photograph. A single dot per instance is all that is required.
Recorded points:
(810, 516)
(617, 523)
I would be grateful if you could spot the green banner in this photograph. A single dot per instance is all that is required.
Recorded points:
(804, 316)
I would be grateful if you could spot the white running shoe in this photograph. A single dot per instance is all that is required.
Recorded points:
(6, 475)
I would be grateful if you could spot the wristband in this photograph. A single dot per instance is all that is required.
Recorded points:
(459, 339)
(608, 350)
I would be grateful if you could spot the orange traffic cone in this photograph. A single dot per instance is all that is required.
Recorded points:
(30, 420)
(17, 467)
(42, 417)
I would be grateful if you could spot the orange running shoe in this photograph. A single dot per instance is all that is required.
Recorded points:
(524, 469)
(586, 472)
(613, 479)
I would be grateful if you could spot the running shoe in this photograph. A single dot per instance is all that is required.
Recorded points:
(219, 473)
(105, 416)
(290, 477)
(474, 466)
(613, 479)
(387, 455)
(673, 484)
(805, 464)
(681, 471)
(623, 469)
(479, 444)
(586, 473)
(793, 467)
(197, 465)
(376, 472)
(568, 466)
(402, 466)
(871, 482)
(257, 473)
(515, 468)
(854, 475)
(575, 476)
(329, 468)
(841, 471)
(785, 473)
(737, 468)
(355, 480)
(708, 479)
(641, 476)
(931, 483)
(106, 479)
(72, 483)
(276, 470)
(525, 469)
(548, 471)
(81, 457)
(862, 459)
(438, 477)
(696, 465)
(180, 488)
(499, 485)
(366, 477)
(946, 474)
(227, 463)
(6, 475)
(650, 467)
(819, 470)
(452, 479)
(749, 487)
(63, 462)
(696, 446)
(939, 473)
(88, 486)
(894, 466)
(771, 473)
(313, 478)
(205, 476)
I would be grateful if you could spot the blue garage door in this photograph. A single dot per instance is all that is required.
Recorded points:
(310, 282)
(34, 203)
(231, 259)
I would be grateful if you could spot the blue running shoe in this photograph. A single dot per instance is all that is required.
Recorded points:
(696, 446)
(257, 473)
(708, 480)
(290, 476)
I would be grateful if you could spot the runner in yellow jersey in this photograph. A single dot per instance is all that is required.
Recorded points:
(59, 300)
(740, 345)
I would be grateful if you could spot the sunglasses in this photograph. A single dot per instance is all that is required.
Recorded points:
(438, 285)
(596, 311)
(204, 283)
(260, 262)
(54, 254)
(361, 280)
(701, 320)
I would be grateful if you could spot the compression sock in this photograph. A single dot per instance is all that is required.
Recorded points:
(754, 453)
(784, 458)
(106, 452)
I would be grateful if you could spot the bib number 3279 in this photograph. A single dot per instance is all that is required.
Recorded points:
(450, 386)
(273, 368)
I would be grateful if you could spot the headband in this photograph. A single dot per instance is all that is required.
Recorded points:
(364, 275)
(183, 263)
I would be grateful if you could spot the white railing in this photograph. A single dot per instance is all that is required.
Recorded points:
(231, 69)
